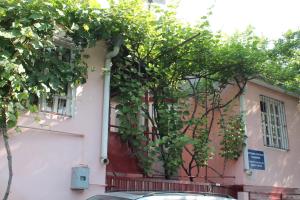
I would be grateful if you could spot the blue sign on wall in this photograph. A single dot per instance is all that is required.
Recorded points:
(256, 159)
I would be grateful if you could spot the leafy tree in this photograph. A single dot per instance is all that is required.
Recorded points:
(283, 66)
(174, 63)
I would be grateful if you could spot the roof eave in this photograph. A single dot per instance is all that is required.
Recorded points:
(275, 88)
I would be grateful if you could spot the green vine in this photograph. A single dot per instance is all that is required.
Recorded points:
(130, 104)
(159, 52)
(233, 137)
(155, 62)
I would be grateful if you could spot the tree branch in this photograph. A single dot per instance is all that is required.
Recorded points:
(8, 152)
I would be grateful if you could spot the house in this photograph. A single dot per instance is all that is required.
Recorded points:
(60, 152)
(268, 167)
(64, 136)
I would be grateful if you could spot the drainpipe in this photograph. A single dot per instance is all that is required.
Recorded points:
(245, 150)
(106, 96)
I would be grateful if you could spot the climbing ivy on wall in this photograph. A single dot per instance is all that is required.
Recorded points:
(29, 66)
(157, 59)
(185, 71)
(233, 137)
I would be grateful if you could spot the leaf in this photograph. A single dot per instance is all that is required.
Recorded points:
(37, 25)
(60, 12)
(36, 16)
(27, 31)
(23, 96)
(33, 108)
(45, 87)
(37, 44)
(18, 129)
(20, 50)
(20, 69)
(75, 27)
(7, 35)
(86, 27)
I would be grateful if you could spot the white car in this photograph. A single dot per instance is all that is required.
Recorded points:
(159, 196)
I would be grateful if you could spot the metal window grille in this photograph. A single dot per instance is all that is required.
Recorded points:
(274, 126)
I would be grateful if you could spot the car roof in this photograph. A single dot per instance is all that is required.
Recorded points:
(128, 195)
(137, 195)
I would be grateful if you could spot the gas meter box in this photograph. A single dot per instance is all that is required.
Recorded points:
(80, 177)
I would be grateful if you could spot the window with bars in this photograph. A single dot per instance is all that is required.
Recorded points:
(61, 103)
(273, 123)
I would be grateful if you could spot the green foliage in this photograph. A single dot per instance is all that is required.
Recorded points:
(129, 107)
(28, 64)
(202, 150)
(28, 54)
(158, 55)
(32, 33)
(233, 137)
(283, 65)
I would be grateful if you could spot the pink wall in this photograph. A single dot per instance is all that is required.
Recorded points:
(282, 167)
(45, 151)
(216, 164)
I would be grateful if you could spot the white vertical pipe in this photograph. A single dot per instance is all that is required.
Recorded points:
(244, 118)
(106, 96)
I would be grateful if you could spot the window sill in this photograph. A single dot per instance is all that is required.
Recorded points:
(47, 130)
(278, 149)
(55, 114)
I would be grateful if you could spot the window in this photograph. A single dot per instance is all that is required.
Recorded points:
(273, 123)
(61, 103)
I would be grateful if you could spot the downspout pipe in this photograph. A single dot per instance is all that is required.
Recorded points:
(244, 118)
(106, 97)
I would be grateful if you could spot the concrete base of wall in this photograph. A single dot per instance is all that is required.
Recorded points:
(243, 196)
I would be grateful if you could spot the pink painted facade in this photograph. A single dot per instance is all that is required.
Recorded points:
(216, 168)
(281, 176)
(281, 166)
(46, 149)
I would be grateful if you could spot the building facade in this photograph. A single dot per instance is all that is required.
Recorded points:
(269, 165)
(50, 144)
(269, 169)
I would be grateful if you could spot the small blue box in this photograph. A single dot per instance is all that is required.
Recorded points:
(80, 178)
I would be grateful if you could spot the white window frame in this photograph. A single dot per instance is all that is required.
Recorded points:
(56, 107)
(274, 126)
(70, 96)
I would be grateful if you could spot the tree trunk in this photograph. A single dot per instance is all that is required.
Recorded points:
(8, 152)
(167, 174)
(191, 178)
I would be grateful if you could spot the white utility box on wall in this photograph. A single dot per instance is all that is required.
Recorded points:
(80, 177)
